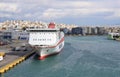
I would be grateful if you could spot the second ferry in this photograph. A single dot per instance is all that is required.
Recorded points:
(114, 36)
(47, 41)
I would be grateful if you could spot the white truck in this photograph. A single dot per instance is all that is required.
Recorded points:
(2, 54)
(1, 58)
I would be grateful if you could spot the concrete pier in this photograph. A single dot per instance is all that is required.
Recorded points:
(12, 58)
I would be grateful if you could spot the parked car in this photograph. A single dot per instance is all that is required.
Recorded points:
(21, 48)
(3, 43)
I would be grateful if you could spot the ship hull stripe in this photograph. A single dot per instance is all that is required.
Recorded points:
(57, 43)
(43, 57)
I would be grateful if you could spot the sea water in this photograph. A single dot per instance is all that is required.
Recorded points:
(82, 56)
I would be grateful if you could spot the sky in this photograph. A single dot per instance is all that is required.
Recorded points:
(80, 12)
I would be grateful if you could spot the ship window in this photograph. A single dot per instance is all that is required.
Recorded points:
(34, 39)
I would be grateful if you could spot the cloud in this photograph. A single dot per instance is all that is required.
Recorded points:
(116, 14)
(9, 7)
(59, 9)
(52, 13)
(76, 8)
(5, 15)
(70, 4)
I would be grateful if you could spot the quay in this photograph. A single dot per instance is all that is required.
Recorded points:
(13, 58)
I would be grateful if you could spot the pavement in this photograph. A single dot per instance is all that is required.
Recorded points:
(12, 55)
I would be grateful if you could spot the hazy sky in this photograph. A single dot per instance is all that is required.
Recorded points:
(62, 11)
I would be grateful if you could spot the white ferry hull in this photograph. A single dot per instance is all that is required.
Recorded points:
(44, 52)
(47, 41)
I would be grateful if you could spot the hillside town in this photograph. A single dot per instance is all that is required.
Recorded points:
(20, 26)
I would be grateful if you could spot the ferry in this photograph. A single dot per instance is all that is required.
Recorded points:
(47, 41)
(114, 36)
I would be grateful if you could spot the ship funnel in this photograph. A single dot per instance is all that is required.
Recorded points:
(51, 25)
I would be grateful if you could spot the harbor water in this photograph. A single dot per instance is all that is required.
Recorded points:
(82, 56)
